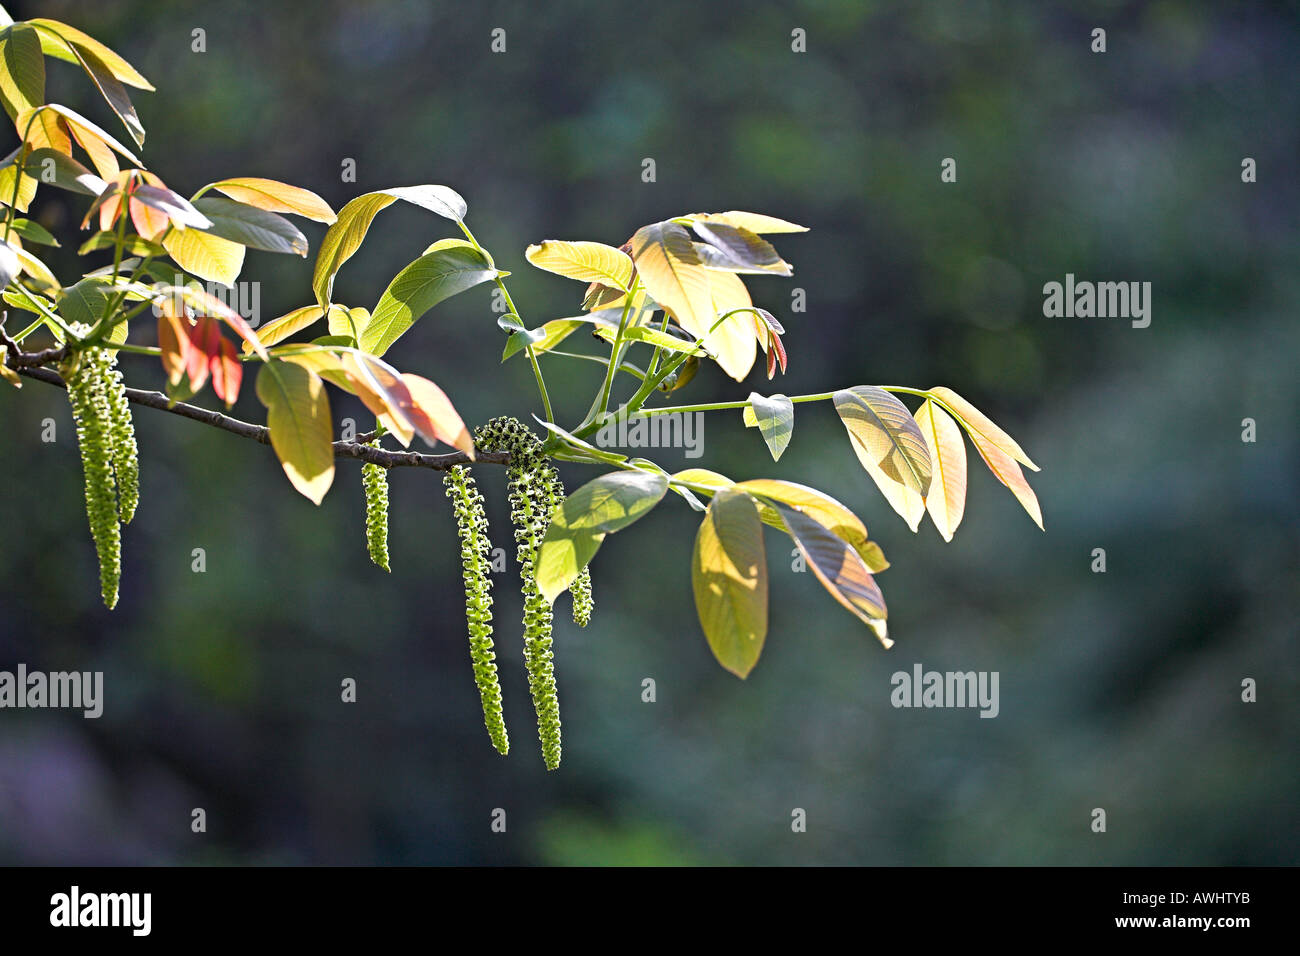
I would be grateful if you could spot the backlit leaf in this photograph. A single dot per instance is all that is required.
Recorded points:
(298, 416)
(670, 270)
(58, 169)
(435, 414)
(111, 88)
(275, 196)
(753, 221)
(822, 508)
(343, 239)
(600, 507)
(418, 288)
(587, 261)
(946, 501)
(729, 577)
(279, 329)
(205, 255)
(56, 36)
(839, 568)
(977, 423)
(22, 70)
(889, 444)
(1006, 470)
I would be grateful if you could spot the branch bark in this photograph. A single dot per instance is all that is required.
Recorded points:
(259, 433)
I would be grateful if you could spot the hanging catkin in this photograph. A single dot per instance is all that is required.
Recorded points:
(126, 456)
(475, 550)
(86, 375)
(374, 481)
(533, 489)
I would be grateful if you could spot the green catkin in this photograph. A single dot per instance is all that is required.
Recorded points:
(475, 554)
(92, 413)
(374, 480)
(533, 490)
(126, 455)
(583, 602)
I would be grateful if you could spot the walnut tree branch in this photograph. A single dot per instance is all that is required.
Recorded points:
(258, 433)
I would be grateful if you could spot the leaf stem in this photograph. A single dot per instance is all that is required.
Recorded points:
(510, 304)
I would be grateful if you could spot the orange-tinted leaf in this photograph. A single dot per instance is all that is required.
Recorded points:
(434, 413)
(174, 341)
(227, 372)
(273, 196)
(1006, 470)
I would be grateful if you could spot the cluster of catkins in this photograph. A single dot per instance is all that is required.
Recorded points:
(109, 457)
(534, 490)
(374, 481)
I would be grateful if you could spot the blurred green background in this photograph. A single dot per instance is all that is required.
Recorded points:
(1118, 690)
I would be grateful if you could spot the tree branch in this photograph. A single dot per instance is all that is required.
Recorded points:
(258, 433)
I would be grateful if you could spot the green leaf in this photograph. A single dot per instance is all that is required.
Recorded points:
(298, 416)
(343, 239)
(252, 227)
(84, 302)
(658, 339)
(22, 70)
(34, 232)
(839, 568)
(586, 451)
(58, 169)
(344, 321)
(890, 446)
(740, 250)
(600, 507)
(418, 288)
(774, 418)
(346, 235)
(132, 245)
(586, 261)
(729, 577)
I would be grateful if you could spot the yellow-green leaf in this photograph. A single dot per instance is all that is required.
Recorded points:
(56, 36)
(839, 568)
(890, 446)
(977, 423)
(343, 239)
(279, 329)
(820, 507)
(205, 255)
(670, 270)
(586, 261)
(753, 221)
(600, 507)
(946, 501)
(729, 577)
(22, 70)
(274, 196)
(298, 416)
(418, 288)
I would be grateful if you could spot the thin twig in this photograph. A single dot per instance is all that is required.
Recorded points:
(258, 433)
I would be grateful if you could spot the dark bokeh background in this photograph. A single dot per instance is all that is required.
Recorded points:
(1118, 690)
